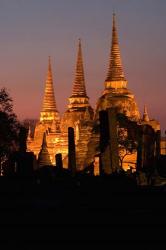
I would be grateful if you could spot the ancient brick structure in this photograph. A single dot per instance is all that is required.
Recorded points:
(80, 115)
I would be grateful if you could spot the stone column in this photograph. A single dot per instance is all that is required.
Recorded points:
(146, 148)
(58, 160)
(108, 141)
(105, 161)
(71, 151)
(113, 140)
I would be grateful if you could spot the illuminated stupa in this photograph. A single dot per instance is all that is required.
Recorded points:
(116, 94)
(79, 113)
(49, 111)
(49, 123)
(78, 106)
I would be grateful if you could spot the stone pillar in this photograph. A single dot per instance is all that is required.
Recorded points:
(108, 141)
(113, 140)
(105, 161)
(58, 160)
(146, 148)
(71, 151)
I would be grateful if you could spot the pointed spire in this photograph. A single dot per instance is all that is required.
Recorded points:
(145, 115)
(115, 70)
(49, 103)
(79, 88)
(44, 157)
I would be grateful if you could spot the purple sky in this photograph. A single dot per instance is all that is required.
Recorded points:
(32, 30)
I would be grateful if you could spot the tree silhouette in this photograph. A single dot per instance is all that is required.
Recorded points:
(127, 146)
(9, 128)
(127, 137)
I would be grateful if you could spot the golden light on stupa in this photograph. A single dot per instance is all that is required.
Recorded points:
(80, 115)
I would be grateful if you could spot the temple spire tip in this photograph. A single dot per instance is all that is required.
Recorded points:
(145, 114)
(49, 103)
(49, 64)
(115, 69)
(79, 82)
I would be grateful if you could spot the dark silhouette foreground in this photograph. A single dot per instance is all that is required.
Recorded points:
(47, 207)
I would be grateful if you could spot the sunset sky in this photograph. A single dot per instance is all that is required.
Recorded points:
(31, 30)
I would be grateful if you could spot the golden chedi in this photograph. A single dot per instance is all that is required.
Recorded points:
(49, 122)
(116, 94)
(78, 106)
(79, 113)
